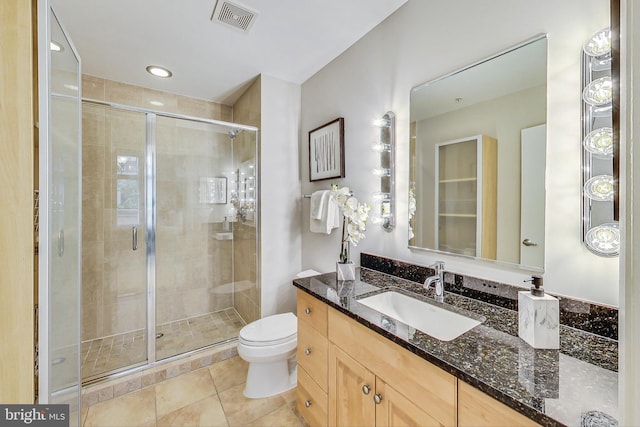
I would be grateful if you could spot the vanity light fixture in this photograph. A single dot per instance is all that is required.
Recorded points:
(159, 71)
(385, 198)
(600, 232)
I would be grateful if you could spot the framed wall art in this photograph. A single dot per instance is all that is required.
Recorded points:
(326, 151)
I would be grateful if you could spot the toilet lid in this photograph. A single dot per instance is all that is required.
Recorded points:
(270, 330)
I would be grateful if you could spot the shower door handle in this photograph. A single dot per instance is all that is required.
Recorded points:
(134, 238)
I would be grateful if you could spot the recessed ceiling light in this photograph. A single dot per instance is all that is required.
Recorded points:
(156, 103)
(159, 71)
(55, 46)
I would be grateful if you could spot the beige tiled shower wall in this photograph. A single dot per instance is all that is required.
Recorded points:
(114, 277)
(247, 290)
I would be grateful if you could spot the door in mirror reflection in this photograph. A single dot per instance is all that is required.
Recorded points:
(492, 100)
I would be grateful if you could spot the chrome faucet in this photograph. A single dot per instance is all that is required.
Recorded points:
(437, 280)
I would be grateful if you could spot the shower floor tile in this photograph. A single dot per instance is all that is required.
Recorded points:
(105, 355)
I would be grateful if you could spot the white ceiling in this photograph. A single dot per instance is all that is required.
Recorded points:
(290, 40)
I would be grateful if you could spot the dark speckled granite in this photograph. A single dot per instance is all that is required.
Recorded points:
(593, 318)
(551, 387)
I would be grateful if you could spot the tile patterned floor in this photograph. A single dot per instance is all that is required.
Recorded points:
(107, 354)
(210, 396)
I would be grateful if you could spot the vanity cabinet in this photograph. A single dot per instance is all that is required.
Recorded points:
(466, 195)
(349, 375)
(311, 393)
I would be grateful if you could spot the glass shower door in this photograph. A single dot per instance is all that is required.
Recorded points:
(114, 299)
(193, 236)
(60, 225)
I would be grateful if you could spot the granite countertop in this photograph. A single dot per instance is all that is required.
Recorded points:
(552, 387)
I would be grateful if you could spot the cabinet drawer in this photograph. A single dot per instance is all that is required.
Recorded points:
(312, 311)
(309, 393)
(312, 353)
(476, 408)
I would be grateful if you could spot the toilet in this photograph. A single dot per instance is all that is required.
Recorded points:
(269, 345)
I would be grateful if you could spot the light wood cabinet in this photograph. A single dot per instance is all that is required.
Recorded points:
(477, 409)
(410, 388)
(311, 393)
(352, 376)
(466, 194)
(360, 398)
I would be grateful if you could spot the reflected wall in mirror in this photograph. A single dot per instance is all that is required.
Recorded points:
(477, 167)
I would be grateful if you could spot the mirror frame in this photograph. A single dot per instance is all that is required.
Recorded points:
(527, 268)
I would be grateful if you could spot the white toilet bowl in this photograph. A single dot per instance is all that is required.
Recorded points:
(269, 345)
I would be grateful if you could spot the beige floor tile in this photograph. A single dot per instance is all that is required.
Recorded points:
(206, 412)
(289, 396)
(229, 373)
(281, 417)
(242, 411)
(183, 390)
(134, 409)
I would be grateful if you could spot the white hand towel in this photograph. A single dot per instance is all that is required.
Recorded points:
(317, 202)
(329, 215)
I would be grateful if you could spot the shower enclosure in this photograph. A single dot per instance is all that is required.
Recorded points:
(169, 234)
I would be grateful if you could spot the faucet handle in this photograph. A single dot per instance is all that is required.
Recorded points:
(438, 266)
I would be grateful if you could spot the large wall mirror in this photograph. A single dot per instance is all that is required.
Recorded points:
(477, 167)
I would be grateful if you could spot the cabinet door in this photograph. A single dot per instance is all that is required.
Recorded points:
(476, 409)
(395, 410)
(351, 391)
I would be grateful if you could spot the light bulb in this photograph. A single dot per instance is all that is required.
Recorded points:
(380, 147)
(382, 123)
(599, 44)
(382, 172)
(159, 71)
(381, 197)
(604, 239)
(598, 92)
(600, 142)
(599, 188)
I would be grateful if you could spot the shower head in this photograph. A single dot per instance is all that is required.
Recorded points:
(234, 132)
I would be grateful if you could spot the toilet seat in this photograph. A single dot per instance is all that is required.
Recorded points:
(270, 331)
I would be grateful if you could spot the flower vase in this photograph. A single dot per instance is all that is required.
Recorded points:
(346, 270)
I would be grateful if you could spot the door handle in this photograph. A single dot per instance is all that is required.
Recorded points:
(528, 242)
(134, 238)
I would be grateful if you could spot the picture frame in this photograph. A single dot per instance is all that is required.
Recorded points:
(326, 151)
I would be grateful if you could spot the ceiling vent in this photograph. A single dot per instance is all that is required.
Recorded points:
(234, 15)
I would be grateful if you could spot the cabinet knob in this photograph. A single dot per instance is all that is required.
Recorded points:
(307, 310)
(366, 389)
(377, 398)
(528, 242)
(307, 351)
(307, 403)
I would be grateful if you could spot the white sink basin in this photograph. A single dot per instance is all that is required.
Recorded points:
(431, 319)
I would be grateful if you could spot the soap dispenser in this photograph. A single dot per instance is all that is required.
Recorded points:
(538, 317)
